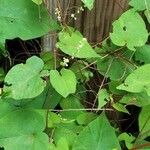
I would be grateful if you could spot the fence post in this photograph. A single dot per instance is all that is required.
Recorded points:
(49, 40)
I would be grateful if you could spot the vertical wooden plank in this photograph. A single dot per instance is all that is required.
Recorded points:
(49, 40)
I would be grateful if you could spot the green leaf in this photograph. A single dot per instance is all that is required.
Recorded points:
(114, 68)
(71, 102)
(88, 3)
(147, 14)
(106, 47)
(120, 107)
(48, 58)
(48, 99)
(44, 73)
(127, 138)
(142, 54)
(53, 98)
(24, 78)
(138, 99)
(86, 118)
(72, 43)
(103, 98)
(52, 147)
(38, 2)
(125, 31)
(2, 48)
(68, 131)
(95, 136)
(35, 141)
(140, 4)
(64, 82)
(19, 122)
(53, 119)
(144, 121)
(22, 128)
(113, 87)
(17, 20)
(138, 81)
(2, 74)
(62, 144)
(83, 75)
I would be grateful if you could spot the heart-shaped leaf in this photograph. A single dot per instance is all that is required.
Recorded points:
(21, 18)
(24, 80)
(64, 82)
(35, 141)
(12, 120)
(22, 128)
(74, 44)
(125, 30)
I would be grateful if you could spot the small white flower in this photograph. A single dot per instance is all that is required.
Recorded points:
(56, 9)
(81, 8)
(66, 65)
(66, 60)
(59, 18)
(73, 15)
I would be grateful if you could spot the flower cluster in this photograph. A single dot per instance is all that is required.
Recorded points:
(73, 16)
(78, 11)
(57, 12)
(65, 62)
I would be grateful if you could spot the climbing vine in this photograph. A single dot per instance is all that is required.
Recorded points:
(44, 103)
